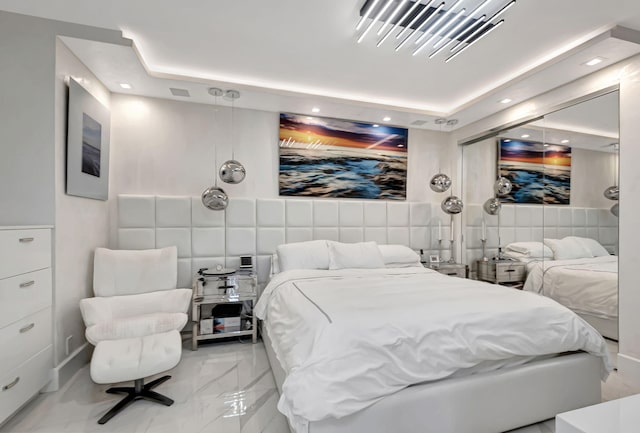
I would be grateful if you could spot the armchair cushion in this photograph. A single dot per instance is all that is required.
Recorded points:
(108, 309)
(127, 272)
(139, 326)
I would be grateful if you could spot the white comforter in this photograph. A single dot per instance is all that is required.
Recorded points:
(584, 285)
(351, 337)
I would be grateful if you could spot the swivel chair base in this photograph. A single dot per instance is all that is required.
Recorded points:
(137, 392)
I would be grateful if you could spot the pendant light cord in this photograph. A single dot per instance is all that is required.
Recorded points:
(233, 100)
(215, 146)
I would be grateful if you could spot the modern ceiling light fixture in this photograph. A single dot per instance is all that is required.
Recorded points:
(377, 18)
(412, 23)
(391, 17)
(436, 26)
(401, 20)
(439, 21)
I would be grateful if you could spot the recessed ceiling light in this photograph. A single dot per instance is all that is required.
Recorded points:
(315, 110)
(400, 145)
(546, 145)
(505, 101)
(564, 141)
(386, 118)
(125, 85)
(375, 125)
(309, 118)
(594, 61)
(507, 141)
(525, 136)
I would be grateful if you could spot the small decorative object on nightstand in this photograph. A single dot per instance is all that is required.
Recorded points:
(506, 272)
(223, 289)
(452, 269)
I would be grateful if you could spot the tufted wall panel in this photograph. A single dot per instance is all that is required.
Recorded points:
(256, 227)
(534, 223)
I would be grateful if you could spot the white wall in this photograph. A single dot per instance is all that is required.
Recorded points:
(629, 360)
(81, 224)
(27, 56)
(165, 147)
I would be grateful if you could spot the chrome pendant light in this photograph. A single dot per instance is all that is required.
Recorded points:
(613, 192)
(440, 182)
(492, 206)
(452, 205)
(215, 198)
(232, 171)
(503, 186)
(615, 209)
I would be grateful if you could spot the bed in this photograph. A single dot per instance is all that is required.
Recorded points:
(388, 348)
(577, 272)
(588, 286)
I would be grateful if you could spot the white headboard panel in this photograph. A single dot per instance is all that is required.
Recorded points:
(534, 223)
(256, 227)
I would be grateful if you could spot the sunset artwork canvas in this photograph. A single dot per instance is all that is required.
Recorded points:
(539, 173)
(324, 157)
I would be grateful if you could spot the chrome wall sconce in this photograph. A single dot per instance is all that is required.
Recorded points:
(446, 26)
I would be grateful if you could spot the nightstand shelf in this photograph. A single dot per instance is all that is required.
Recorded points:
(506, 272)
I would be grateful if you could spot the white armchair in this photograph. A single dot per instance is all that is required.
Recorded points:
(134, 321)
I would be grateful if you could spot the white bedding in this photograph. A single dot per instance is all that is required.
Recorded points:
(587, 285)
(348, 338)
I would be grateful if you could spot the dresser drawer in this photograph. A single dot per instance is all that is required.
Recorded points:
(24, 295)
(24, 251)
(24, 338)
(17, 386)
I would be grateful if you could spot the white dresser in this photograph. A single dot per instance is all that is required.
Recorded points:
(26, 353)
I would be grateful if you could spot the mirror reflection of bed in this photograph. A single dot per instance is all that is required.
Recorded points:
(558, 221)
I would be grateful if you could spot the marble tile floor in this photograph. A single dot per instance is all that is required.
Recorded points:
(225, 387)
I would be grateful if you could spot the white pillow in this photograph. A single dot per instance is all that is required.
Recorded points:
(362, 255)
(303, 255)
(530, 249)
(596, 249)
(567, 248)
(399, 256)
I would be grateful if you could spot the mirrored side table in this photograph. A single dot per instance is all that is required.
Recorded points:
(218, 290)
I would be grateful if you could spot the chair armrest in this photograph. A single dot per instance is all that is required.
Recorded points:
(106, 309)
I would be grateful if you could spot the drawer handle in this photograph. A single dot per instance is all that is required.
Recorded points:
(29, 327)
(509, 270)
(25, 240)
(27, 284)
(12, 384)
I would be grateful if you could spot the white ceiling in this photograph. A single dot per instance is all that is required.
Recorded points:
(301, 53)
(591, 125)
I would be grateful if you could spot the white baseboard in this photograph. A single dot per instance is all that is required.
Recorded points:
(68, 367)
(629, 368)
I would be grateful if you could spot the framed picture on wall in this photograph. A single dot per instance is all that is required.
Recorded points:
(325, 157)
(88, 126)
(540, 173)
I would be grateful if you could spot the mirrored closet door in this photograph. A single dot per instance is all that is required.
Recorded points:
(542, 197)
